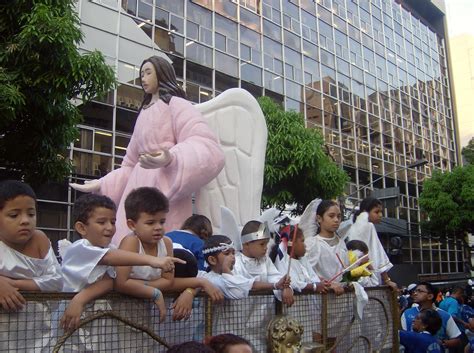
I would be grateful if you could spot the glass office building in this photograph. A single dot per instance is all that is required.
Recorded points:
(371, 75)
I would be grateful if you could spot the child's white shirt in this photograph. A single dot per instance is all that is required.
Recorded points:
(262, 270)
(232, 285)
(149, 273)
(301, 272)
(322, 256)
(46, 272)
(80, 265)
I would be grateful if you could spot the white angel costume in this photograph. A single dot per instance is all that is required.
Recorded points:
(307, 307)
(81, 269)
(260, 308)
(322, 255)
(365, 231)
(232, 285)
(29, 330)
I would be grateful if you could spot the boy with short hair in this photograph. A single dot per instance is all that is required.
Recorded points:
(219, 253)
(27, 260)
(254, 263)
(27, 263)
(87, 263)
(425, 326)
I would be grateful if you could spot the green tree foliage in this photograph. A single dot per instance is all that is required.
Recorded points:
(448, 200)
(468, 152)
(41, 70)
(297, 167)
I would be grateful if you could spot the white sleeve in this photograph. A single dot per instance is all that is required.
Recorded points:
(235, 286)
(452, 330)
(313, 251)
(80, 265)
(51, 279)
(403, 322)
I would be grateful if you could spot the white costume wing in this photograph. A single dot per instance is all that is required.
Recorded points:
(308, 219)
(238, 122)
(230, 228)
(344, 228)
(360, 230)
(271, 216)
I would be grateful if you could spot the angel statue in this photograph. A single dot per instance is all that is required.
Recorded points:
(214, 151)
(171, 148)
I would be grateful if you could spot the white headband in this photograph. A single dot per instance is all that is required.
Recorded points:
(219, 248)
(262, 233)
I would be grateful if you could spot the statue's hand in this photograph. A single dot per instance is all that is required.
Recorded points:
(155, 160)
(88, 186)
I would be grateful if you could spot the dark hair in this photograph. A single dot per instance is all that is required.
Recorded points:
(190, 268)
(323, 207)
(145, 200)
(214, 241)
(199, 225)
(367, 205)
(86, 204)
(10, 189)
(190, 347)
(286, 232)
(250, 227)
(430, 288)
(222, 343)
(167, 83)
(357, 245)
(431, 319)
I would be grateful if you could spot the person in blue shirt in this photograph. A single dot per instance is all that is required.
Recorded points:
(191, 236)
(451, 303)
(424, 296)
(423, 337)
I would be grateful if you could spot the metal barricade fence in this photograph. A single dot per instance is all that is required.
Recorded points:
(117, 323)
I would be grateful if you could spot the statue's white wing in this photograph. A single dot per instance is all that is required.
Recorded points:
(237, 120)
(308, 219)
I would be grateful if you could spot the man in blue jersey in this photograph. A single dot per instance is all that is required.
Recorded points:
(424, 296)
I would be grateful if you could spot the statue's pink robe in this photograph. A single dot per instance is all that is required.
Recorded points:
(197, 158)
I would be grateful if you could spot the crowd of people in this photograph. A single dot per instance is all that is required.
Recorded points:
(450, 323)
(149, 261)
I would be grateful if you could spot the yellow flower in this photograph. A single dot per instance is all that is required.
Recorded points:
(361, 271)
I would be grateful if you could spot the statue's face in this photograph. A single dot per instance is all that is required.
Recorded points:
(149, 78)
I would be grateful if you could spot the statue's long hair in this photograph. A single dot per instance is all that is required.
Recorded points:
(167, 83)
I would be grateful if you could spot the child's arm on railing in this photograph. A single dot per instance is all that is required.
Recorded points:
(190, 286)
(10, 298)
(117, 257)
(72, 314)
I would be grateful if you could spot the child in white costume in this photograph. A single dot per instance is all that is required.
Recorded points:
(87, 262)
(219, 253)
(291, 244)
(327, 254)
(27, 263)
(370, 213)
(253, 263)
